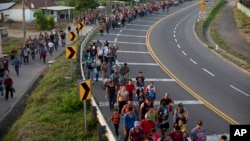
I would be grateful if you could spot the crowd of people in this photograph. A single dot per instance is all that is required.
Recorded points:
(39, 45)
(147, 121)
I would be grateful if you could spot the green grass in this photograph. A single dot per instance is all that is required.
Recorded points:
(53, 112)
(227, 52)
(10, 43)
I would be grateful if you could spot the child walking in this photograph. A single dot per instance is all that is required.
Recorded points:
(115, 118)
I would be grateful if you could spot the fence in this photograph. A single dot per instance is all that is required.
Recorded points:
(99, 115)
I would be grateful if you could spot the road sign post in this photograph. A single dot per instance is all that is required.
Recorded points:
(85, 94)
(71, 54)
(72, 36)
(202, 5)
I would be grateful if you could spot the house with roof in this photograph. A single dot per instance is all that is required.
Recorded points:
(15, 11)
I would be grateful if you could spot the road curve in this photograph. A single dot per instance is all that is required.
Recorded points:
(221, 86)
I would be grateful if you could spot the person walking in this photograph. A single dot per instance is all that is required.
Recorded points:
(111, 94)
(8, 83)
(5, 62)
(115, 118)
(136, 133)
(122, 98)
(43, 54)
(128, 122)
(198, 132)
(16, 64)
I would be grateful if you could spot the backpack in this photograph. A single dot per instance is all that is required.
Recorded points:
(151, 95)
(201, 136)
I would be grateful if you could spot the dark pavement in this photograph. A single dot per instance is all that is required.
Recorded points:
(229, 33)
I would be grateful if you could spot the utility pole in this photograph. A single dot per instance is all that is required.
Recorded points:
(46, 7)
(24, 27)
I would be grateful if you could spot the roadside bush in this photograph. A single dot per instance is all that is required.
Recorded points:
(51, 22)
(71, 102)
(40, 20)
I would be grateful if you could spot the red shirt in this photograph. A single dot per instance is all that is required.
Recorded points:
(147, 125)
(130, 88)
(8, 82)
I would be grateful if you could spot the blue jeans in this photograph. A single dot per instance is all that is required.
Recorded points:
(91, 74)
(111, 100)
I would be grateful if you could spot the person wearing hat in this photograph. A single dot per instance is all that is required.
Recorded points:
(169, 102)
(198, 132)
(136, 133)
(147, 124)
(178, 110)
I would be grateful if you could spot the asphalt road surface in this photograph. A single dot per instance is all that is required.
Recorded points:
(165, 39)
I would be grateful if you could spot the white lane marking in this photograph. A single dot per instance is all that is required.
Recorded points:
(177, 25)
(145, 21)
(175, 28)
(174, 31)
(175, 40)
(135, 29)
(184, 53)
(178, 46)
(127, 35)
(135, 43)
(179, 22)
(174, 35)
(208, 72)
(239, 90)
(120, 30)
(152, 18)
(125, 51)
(136, 103)
(144, 64)
(215, 137)
(193, 61)
(140, 25)
(110, 34)
(115, 39)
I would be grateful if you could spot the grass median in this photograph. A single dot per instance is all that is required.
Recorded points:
(212, 20)
(53, 111)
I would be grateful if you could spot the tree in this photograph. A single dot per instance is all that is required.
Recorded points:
(40, 19)
(86, 4)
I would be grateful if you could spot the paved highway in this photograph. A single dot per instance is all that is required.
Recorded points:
(173, 46)
(217, 81)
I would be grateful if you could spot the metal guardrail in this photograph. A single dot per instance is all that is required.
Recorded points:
(100, 117)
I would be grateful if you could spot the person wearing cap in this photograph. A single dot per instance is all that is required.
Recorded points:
(136, 133)
(168, 101)
(198, 132)
(147, 124)
(178, 110)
